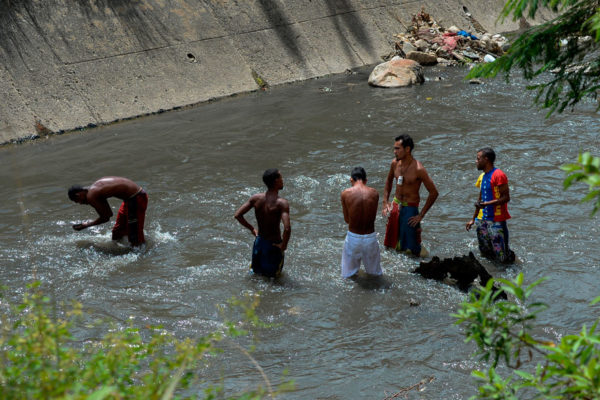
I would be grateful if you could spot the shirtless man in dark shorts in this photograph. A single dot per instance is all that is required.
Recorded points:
(359, 204)
(270, 211)
(403, 231)
(130, 219)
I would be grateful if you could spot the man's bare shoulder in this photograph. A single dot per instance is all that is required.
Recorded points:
(420, 167)
(256, 197)
(283, 203)
(373, 190)
(347, 192)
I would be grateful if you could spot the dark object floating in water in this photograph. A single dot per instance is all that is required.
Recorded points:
(464, 270)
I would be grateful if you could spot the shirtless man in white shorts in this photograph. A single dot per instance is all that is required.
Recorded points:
(360, 209)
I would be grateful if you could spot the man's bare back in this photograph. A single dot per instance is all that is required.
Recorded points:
(112, 186)
(359, 204)
(268, 208)
(270, 211)
(97, 193)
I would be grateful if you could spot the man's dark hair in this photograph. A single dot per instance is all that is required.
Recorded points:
(270, 176)
(73, 190)
(406, 141)
(358, 174)
(488, 153)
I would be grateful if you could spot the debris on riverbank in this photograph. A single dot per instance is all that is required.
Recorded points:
(428, 43)
(426, 40)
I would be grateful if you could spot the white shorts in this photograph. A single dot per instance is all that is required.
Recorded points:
(359, 248)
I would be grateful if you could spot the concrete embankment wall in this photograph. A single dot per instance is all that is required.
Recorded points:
(67, 64)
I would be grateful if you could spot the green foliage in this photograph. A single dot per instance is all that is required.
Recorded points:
(586, 170)
(503, 327)
(40, 358)
(563, 57)
(503, 331)
(566, 46)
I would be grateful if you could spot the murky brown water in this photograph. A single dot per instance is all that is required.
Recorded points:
(339, 340)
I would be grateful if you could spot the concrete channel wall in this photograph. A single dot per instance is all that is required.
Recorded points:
(69, 64)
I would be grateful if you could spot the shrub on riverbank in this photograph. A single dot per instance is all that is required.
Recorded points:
(504, 331)
(41, 359)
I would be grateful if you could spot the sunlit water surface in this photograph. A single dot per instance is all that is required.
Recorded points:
(337, 339)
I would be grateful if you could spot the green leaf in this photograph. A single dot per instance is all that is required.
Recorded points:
(524, 375)
(585, 158)
(102, 393)
(570, 167)
(590, 196)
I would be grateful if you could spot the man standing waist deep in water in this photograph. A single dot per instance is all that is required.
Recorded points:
(359, 204)
(131, 216)
(403, 231)
(270, 211)
(491, 209)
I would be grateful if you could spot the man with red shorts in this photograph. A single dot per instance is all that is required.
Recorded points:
(403, 231)
(131, 216)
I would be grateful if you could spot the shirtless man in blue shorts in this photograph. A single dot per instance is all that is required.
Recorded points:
(270, 210)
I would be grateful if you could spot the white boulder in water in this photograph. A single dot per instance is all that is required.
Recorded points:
(397, 72)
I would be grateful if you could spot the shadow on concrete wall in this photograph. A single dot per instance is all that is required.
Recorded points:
(282, 26)
(345, 14)
(144, 26)
(17, 18)
(21, 23)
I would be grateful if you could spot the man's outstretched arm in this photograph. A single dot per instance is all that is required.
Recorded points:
(104, 213)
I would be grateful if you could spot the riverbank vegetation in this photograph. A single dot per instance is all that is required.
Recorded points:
(40, 357)
(505, 333)
(562, 56)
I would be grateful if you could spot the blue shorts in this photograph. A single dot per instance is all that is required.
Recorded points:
(267, 259)
(409, 237)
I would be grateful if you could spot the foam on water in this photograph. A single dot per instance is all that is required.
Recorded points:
(197, 255)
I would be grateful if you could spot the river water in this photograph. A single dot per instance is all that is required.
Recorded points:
(337, 339)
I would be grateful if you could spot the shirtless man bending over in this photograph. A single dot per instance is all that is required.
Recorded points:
(403, 231)
(359, 204)
(270, 211)
(131, 216)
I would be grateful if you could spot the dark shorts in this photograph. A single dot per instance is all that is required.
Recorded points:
(130, 219)
(399, 235)
(267, 259)
(409, 237)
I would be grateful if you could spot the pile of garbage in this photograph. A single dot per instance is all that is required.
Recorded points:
(428, 43)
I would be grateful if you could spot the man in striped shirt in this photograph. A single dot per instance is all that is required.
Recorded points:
(491, 210)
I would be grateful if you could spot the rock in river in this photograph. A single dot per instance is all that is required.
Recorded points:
(397, 72)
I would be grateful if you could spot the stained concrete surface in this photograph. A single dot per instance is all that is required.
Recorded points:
(67, 64)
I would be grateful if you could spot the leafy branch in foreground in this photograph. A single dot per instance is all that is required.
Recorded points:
(563, 57)
(40, 358)
(503, 330)
(563, 52)
(586, 170)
